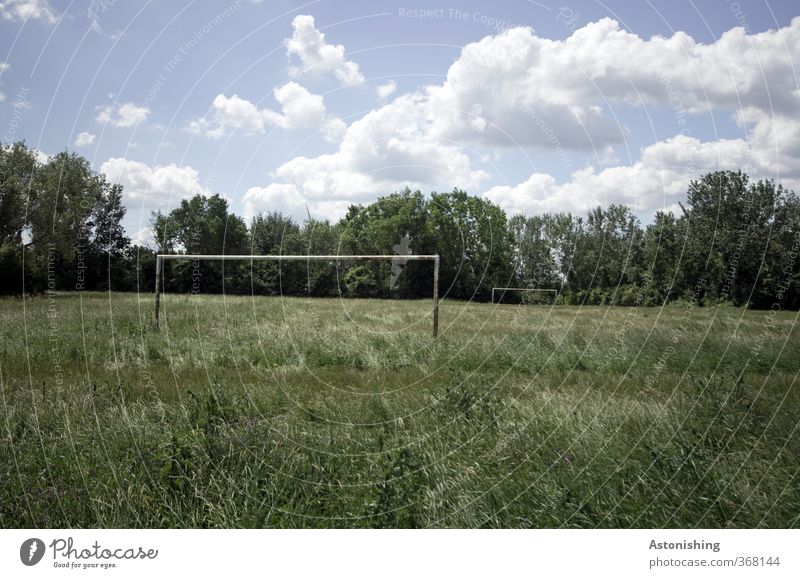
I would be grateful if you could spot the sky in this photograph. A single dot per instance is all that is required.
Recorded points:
(309, 107)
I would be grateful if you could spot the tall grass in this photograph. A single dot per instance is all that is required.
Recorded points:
(274, 412)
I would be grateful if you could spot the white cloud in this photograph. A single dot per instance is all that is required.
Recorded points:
(303, 110)
(517, 87)
(228, 114)
(775, 140)
(387, 149)
(299, 110)
(122, 115)
(657, 181)
(505, 90)
(144, 237)
(2, 97)
(84, 139)
(160, 187)
(4, 66)
(22, 10)
(318, 58)
(386, 90)
(288, 200)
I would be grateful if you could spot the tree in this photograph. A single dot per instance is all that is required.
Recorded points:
(273, 233)
(661, 257)
(564, 234)
(475, 244)
(730, 224)
(109, 234)
(390, 226)
(203, 226)
(18, 167)
(606, 261)
(535, 264)
(320, 238)
(63, 198)
(17, 170)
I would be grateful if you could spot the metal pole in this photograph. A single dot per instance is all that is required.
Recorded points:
(436, 296)
(158, 288)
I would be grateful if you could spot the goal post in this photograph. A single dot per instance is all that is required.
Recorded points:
(524, 290)
(160, 259)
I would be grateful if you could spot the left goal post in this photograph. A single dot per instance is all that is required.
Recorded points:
(308, 258)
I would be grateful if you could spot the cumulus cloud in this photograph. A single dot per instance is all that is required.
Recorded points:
(287, 199)
(299, 110)
(657, 181)
(23, 10)
(4, 66)
(159, 187)
(84, 139)
(122, 115)
(41, 156)
(229, 114)
(388, 148)
(749, 75)
(518, 88)
(386, 90)
(144, 237)
(317, 57)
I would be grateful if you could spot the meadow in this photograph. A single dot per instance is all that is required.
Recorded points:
(300, 412)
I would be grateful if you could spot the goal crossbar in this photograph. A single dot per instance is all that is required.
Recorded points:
(528, 289)
(160, 259)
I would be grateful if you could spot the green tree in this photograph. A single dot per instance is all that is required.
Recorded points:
(474, 241)
(63, 198)
(203, 226)
(391, 225)
(730, 222)
(606, 263)
(664, 242)
(18, 167)
(320, 238)
(534, 253)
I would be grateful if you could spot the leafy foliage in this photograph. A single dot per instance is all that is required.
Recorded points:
(736, 241)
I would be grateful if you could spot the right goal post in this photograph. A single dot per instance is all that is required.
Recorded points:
(334, 258)
(526, 292)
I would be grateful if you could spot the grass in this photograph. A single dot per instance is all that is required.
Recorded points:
(293, 412)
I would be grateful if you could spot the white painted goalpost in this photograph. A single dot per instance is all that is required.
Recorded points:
(435, 258)
(525, 289)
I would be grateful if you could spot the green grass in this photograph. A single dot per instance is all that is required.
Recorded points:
(272, 412)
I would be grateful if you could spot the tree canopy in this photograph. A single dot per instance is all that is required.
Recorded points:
(735, 241)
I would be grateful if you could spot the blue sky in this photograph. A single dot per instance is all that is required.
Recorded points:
(286, 105)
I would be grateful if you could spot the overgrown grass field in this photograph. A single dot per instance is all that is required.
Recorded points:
(270, 412)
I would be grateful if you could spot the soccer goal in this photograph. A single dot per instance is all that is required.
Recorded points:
(160, 259)
(528, 296)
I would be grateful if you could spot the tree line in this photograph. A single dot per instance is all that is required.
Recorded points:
(735, 241)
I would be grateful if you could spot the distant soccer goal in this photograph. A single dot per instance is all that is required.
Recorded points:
(160, 259)
(526, 295)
